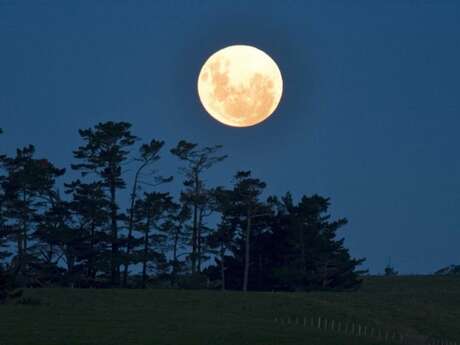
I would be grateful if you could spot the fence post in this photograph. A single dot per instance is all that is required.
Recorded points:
(304, 321)
(319, 322)
(332, 325)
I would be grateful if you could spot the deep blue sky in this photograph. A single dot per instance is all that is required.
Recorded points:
(370, 114)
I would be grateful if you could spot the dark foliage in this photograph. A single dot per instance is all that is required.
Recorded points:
(294, 248)
(210, 237)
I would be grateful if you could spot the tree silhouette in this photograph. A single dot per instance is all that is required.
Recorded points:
(29, 190)
(4, 252)
(89, 208)
(150, 212)
(174, 226)
(227, 237)
(221, 240)
(246, 194)
(105, 150)
(196, 160)
(4, 230)
(148, 155)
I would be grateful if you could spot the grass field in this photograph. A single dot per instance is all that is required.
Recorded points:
(427, 306)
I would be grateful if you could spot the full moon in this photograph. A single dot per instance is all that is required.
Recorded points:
(240, 86)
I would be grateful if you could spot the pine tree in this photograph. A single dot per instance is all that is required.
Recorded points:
(197, 161)
(90, 212)
(292, 246)
(221, 240)
(150, 214)
(105, 151)
(315, 257)
(52, 239)
(174, 226)
(246, 193)
(29, 188)
(149, 154)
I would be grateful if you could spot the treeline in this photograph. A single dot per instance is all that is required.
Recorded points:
(79, 235)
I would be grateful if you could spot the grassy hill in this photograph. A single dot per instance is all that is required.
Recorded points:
(413, 306)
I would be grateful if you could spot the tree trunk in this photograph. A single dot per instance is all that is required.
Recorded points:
(194, 239)
(325, 275)
(247, 252)
(195, 224)
(222, 265)
(131, 223)
(24, 226)
(176, 243)
(70, 258)
(175, 262)
(114, 229)
(22, 236)
(91, 252)
(145, 256)
(198, 239)
(302, 250)
(19, 245)
(50, 254)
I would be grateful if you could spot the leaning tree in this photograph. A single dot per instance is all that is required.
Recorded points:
(197, 161)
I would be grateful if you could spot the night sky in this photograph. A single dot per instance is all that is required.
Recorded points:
(370, 114)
